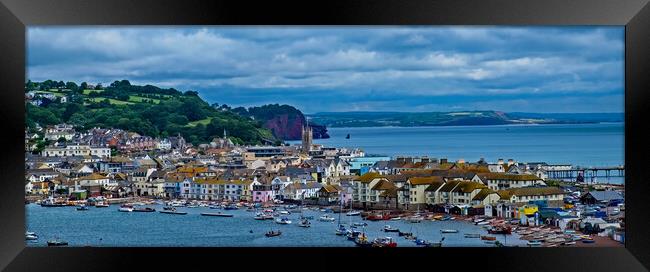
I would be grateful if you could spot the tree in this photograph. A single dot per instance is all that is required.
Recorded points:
(72, 86)
(98, 86)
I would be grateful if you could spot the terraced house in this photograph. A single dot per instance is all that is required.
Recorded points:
(524, 195)
(502, 181)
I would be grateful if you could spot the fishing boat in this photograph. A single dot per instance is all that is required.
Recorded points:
(145, 209)
(57, 242)
(421, 242)
(51, 202)
(488, 238)
(283, 221)
(101, 204)
(416, 219)
(173, 211)
(326, 218)
(384, 242)
(82, 208)
(472, 235)
(388, 228)
(273, 233)
(259, 216)
(534, 243)
(396, 218)
(378, 217)
(304, 223)
(125, 208)
(359, 224)
(218, 214)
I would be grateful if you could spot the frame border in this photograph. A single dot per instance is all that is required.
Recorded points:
(16, 15)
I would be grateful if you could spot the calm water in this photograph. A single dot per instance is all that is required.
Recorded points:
(81, 228)
(576, 144)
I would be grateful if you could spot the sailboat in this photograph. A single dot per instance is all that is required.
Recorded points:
(304, 222)
(341, 230)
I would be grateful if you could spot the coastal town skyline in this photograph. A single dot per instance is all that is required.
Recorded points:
(330, 69)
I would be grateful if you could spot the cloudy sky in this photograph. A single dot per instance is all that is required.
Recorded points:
(316, 69)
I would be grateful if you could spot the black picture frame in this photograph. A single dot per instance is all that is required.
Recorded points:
(15, 15)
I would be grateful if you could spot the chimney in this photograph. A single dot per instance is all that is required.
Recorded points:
(500, 162)
(443, 160)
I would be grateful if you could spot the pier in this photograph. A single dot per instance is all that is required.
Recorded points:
(587, 173)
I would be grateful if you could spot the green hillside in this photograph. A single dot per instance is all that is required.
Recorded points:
(147, 110)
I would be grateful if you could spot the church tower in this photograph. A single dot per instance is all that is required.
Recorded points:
(307, 137)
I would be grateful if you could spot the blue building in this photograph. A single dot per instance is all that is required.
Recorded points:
(361, 165)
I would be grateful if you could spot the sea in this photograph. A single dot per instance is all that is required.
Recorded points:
(107, 227)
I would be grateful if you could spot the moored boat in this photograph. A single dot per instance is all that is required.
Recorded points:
(101, 204)
(488, 238)
(125, 208)
(145, 209)
(218, 214)
(283, 221)
(304, 223)
(326, 218)
(448, 231)
(384, 242)
(388, 228)
(82, 208)
(500, 230)
(57, 242)
(173, 211)
(353, 213)
(31, 236)
(472, 235)
(273, 233)
(534, 243)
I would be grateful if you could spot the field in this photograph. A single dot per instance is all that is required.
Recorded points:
(138, 99)
(202, 121)
(87, 92)
(112, 101)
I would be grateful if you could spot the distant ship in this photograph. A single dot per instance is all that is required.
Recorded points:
(347, 137)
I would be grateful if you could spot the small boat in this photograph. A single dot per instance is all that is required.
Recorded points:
(472, 235)
(421, 242)
(448, 231)
(145, 209)
(488, 238)
(284, 213)
(483, 223)
(404, 233)
(304, 223)
(82, 208)
(57, 242)
(415, 219)
(273, 233)
(311, 217)
(341, 230)
(384, 242)
(388, 228)
(353, 213)
(173, 211)
(396, 218)
(125, 208)
(437, 217)
(230, 207)
(326, 218)
(259, 216)
(31, 236)
(588, 241)
(362, 241)
(534, 243)
(101, 205)
(283, 221)
(569, 243)
(357, 224)
(500, 230)
(218, 214)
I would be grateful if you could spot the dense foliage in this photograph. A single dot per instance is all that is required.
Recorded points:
(174, 113)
